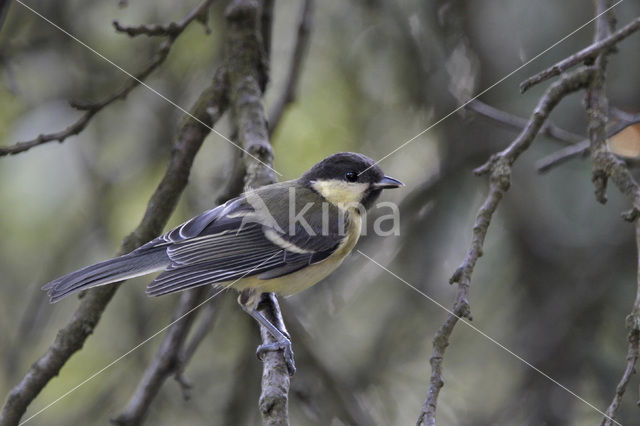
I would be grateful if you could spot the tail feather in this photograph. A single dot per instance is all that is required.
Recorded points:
(113, 270)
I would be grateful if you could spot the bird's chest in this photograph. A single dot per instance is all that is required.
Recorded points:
(306, 277)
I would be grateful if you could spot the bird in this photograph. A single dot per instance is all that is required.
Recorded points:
(282, 238)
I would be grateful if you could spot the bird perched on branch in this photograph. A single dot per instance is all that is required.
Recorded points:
(280, 238)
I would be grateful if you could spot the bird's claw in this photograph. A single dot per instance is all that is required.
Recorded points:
(287, 353)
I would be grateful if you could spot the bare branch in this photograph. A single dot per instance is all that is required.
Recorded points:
(499, 168)
(162, 203)
(587, 54)
(295, 65)
(60, 136)
(93, 108)
(633, 352)
(597, 107)
(172, 29)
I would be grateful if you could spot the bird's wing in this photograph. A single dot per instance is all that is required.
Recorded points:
(231, 242)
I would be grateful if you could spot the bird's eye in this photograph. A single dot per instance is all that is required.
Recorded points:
(351, 176)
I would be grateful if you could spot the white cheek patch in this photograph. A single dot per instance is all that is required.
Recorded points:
(342, 194)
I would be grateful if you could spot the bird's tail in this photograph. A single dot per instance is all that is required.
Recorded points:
(131, 265)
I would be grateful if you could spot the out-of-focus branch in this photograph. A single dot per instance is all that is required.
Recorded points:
(514, 122)
(161, 204)
(295, 65)
(172, 29)
(165, 362)
(585, 55)
(91, 109)
(556, 158)
(633, 352)
(247, 77)
(499, 169)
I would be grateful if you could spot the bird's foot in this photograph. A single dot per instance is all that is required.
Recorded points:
(287, 353)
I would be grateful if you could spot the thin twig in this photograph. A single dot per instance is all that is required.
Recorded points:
(585, 55)
(171, 29)
(499, 168)
(298, 55)
(633, 352)
(91, 109)
(161, 204)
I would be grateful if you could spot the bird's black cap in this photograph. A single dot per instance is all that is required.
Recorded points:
(340, 166)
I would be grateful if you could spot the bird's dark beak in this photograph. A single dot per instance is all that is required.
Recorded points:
(388, 182)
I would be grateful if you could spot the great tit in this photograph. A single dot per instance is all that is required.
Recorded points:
(280, 238)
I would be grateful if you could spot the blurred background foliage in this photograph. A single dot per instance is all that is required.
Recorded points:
(555, 284)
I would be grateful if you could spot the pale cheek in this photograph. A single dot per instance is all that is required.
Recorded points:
(341, 193)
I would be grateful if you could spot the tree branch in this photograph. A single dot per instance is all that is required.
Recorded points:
(597, 107)
(247, 77)
(499, 168)
(161, 204)
(514, 122)
(91, 109)
(172, 29)
(633, 352)
(166, 361)
(585, 55)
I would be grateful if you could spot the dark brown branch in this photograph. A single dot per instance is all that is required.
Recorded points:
(587, 54)
(91, 109)
(633, 352)
(166, 361)
(295, 65)
(172, 29)
(514, 122)
(499, 169)
(161, 204)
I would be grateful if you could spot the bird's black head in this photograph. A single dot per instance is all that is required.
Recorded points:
(347, 178)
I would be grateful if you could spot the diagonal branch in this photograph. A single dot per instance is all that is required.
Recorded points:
(499, 169)
(514, 122)
(165, 362)
(585, 55)
(175, 352)
(91, 109)
(172, 29)
(161, 204)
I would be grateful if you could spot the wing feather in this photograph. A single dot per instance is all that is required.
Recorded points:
(231, 242)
